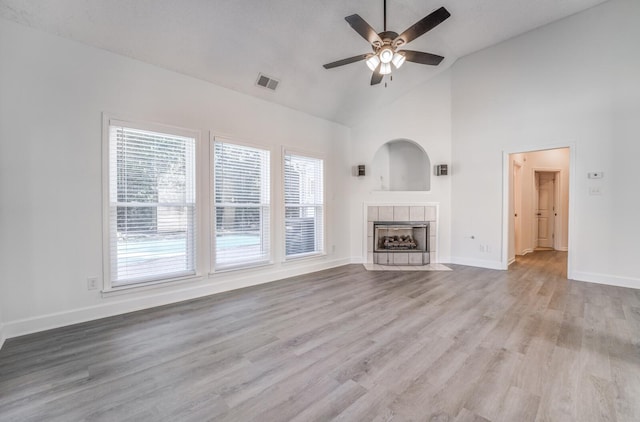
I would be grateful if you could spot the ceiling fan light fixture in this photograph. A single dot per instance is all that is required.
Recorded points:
(398, 60)
(385, 68)
(373, 62)
(386, 54)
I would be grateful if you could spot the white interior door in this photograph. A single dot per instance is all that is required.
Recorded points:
(545, 208)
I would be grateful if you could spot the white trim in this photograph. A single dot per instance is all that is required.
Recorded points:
(150, 285)
(303, 257)
(526, 251)
(611, 280)
(211, 231)
(2, 336)
(517, 208)
(443, 259)
(505, 198)
(480, 263)
(325, 177)
(400, 192)
(107, 120)
(132, 304)
(563, 249)
(240, 267)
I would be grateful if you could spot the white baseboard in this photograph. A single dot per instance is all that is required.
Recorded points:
(442, 259)
(612, 280)
(122, 305)
(481, 263)
(511, 261)
(526, 251)
(2, 337)
(563, 249)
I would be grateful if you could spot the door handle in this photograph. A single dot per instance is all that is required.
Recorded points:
(515, 215)
(539, 214)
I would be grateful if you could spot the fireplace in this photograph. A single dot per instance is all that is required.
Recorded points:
(401, 242)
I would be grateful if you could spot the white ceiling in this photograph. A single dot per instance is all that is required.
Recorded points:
(227, 42)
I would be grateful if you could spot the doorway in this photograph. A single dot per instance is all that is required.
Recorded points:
(536, 198)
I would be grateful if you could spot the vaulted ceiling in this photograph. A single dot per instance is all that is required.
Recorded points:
(227, 42)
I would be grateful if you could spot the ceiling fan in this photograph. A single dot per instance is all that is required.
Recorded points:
(386, 44)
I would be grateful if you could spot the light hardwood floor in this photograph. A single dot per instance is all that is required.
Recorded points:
(349, 345)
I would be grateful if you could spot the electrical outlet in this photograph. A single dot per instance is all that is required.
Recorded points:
(92, 283)
(595, 190)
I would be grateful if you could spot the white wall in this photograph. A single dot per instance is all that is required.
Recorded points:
(422, 116)
(552, 160)
(574, 82)
(53, 92)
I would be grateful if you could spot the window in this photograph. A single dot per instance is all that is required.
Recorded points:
(241, 183)
(152, 204)
(304, 205)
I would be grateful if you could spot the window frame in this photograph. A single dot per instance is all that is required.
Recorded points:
(212, 205)
(323, 250)
(108, 285)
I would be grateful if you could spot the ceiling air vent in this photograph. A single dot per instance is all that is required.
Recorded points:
(267, 82)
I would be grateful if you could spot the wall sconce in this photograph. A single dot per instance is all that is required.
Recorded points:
(441, 169)
(358, 170)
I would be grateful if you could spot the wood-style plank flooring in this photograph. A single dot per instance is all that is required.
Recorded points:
(350, 345)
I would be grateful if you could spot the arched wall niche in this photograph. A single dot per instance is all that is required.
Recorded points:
(401, 165)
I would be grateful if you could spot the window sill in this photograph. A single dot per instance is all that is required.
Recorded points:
(304, 257)
(149, 285)
(240, 267)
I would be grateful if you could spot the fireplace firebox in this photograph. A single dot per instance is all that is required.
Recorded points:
(401, 242)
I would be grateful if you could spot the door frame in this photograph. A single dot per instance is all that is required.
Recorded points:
(517, 208)
(556, 204)
(506, 189)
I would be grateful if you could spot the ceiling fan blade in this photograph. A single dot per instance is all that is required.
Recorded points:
(376, 78)
(424, 25)
(364, 29)
(422, 58)
(346, 61)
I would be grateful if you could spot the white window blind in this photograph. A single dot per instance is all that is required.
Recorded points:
(152, 205)
(241, 183)
(304, 205)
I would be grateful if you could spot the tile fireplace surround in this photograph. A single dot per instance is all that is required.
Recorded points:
(398, 213)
